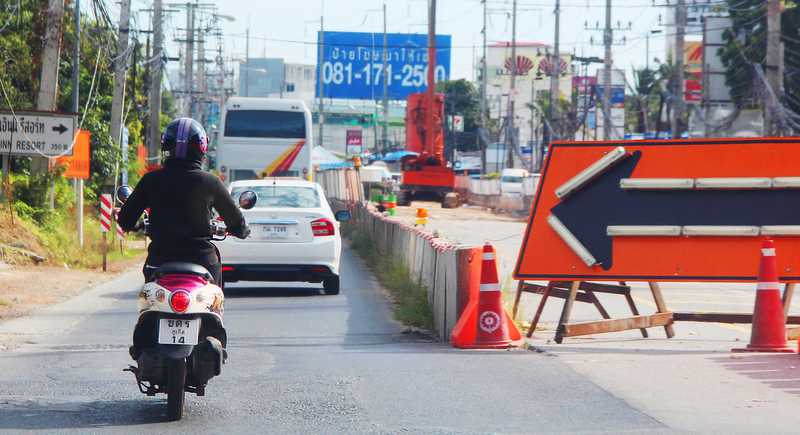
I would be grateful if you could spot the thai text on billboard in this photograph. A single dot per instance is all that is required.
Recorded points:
(352, 64)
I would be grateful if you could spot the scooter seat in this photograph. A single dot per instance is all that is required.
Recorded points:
(182, 268)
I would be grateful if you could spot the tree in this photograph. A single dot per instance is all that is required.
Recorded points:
(746, 43)
(21, 36)
(461, 99)
(646, 83)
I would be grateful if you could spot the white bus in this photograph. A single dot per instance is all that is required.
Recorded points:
(264, 137)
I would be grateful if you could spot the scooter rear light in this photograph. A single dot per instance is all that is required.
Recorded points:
(180, 301)
(323, 227)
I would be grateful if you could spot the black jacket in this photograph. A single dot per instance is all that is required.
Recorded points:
(180, 197)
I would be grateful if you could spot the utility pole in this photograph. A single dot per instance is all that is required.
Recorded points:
(556, 73)
(201, 78)
(188, 67)
(773, 61)
(483, 96)
(247, 62)
(385, 77)
(321, 75)
(48, 88)
(118, 99)
(154, 147)
(608, 37)
(510, 136)
(678, 77)
(705, 98)
(76, 62)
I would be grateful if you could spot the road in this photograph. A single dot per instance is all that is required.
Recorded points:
(692, 382)
(300, 362)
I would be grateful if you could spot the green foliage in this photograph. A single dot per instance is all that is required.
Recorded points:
(643, 102)
(542, 105)
(461, 98)
(746, 43)
(21, 48)
(411, 298)
(57, 229)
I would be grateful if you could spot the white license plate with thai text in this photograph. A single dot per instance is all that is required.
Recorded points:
(178, 331)
(274, 231)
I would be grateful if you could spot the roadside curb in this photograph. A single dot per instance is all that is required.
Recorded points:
(63, 315)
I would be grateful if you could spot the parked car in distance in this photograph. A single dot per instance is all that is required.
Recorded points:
(511, 181)
(294, 236)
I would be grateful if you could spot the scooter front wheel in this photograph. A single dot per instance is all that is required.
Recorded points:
(175, 392)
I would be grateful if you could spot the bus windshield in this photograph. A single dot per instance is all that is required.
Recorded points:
(265, 124)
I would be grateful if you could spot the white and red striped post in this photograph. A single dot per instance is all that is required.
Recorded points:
(105, 223)
(120, 233)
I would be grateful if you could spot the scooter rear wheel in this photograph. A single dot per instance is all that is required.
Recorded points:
(175, 392)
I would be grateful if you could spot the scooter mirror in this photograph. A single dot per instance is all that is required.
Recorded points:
(247, 199)
(123, 192)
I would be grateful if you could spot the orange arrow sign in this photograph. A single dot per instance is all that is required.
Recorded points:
(687, 210)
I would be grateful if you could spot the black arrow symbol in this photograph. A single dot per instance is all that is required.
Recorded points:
(60, 129)
(600, 203)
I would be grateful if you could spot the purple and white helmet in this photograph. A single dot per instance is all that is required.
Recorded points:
(184, 138)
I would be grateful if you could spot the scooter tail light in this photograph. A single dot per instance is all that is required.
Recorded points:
(323, 227)
(180, 300)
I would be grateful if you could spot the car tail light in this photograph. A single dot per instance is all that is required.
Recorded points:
(323, 227)
(227, 269)
(180, 301)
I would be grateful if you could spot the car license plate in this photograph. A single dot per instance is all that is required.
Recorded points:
(274, 231)
(178, 331)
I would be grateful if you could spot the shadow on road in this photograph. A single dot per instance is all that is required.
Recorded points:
(776, 370)
(43, 414)
(271, 292)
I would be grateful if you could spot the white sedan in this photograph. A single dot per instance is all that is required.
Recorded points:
(294, 236)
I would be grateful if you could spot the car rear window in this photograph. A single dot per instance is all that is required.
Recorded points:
(281, 196)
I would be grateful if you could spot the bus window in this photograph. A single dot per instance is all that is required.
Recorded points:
(266, 124)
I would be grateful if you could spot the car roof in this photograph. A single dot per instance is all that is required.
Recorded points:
(273, 181)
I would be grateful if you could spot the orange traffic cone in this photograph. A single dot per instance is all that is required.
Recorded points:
(494, 327)
(769, 323)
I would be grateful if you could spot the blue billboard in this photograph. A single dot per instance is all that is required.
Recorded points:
(352, 65)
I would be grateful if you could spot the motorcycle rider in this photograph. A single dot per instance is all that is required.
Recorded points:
(180, 197)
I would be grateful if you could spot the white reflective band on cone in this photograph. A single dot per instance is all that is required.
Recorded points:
(768, 252)
(490, 287)
(488, 256)
(768, 286)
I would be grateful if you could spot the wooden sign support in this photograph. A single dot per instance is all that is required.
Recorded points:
(584, 291)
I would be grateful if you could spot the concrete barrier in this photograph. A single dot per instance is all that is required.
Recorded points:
(443, 269)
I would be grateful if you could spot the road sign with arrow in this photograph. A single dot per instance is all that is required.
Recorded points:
(36, 133)
(686, 210)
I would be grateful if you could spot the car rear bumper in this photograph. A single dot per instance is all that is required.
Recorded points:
(275, 272)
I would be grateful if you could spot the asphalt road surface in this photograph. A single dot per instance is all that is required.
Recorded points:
(300, 362)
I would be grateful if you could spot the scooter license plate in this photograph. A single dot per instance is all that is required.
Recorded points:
(178, 331)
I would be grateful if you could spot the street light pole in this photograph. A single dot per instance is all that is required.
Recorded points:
(385, 138)
(247, 62)
(510, 133)
(321, 75)
(647, 47)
